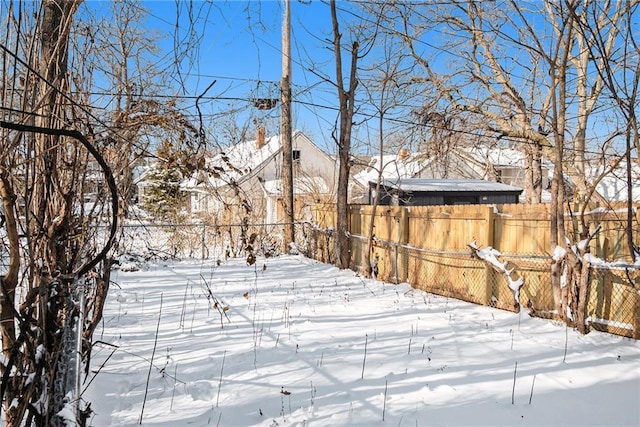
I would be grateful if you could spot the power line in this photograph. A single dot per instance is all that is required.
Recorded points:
(58, 91)
(310, 105)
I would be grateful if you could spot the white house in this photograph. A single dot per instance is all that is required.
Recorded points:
(246, 180)
(610, 180)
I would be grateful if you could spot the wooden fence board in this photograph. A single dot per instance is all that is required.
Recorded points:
(522, 229)
(447, 227)
(427, 246)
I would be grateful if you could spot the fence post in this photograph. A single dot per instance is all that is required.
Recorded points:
(636, 316)
(490, 274)
(404, 226)
(403, 239)
(80, 287)
(395, 250)
(204, 240)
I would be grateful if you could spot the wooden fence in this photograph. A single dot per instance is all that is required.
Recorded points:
(428, 247)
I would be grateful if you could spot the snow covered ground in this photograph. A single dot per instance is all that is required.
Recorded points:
(292, 342)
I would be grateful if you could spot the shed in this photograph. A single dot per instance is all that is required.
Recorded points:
(430, 192)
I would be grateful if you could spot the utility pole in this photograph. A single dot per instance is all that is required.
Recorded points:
(287, 143)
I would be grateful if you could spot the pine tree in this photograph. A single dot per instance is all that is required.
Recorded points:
(163, 198)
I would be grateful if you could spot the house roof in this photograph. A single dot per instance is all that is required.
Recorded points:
(237, 163)
(448, 185)
(496, 156)
(613, 186)
(239, 160)
(394, 166)
(404, 165)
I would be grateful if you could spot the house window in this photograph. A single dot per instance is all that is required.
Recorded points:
(295, 155)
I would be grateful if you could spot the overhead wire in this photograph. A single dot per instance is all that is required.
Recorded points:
(71, 100)
(343, 9)
(309, 105)
(437, 48)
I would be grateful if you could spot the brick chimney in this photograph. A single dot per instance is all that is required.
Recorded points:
(260, 138)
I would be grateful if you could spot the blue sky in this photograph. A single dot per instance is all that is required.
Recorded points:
(240, 49)
(238, 45)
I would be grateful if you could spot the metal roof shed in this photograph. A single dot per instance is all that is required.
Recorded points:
(431, 192)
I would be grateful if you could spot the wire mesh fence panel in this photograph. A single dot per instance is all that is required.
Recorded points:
(358, 249)
(318, 244)
(390, 261)
(536, 293)
(402, 264)
(614, 296)
(455, 275)
(384, 261)
(614, 301)
(203, 241)
(162, 241)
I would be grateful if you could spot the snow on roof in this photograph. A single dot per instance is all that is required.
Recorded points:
(233, 163)
(613, 186)
(140, 173)
(194, 185)
(241, 159)
(398, 166)
(496, 156)
(394, 166)
(447, 185)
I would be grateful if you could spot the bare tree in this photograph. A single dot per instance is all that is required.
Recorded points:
(53, 198)
(532, 81)
(39, 199)
(387, 83)
(478, 85)
(620, 74)
(342, 136)
(572, 46)
(50, 133)
(128, 74)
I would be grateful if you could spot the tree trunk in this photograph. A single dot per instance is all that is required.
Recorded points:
(346, 98)
(343, 255)
(8, 283)
(49, 215)
(582, 294)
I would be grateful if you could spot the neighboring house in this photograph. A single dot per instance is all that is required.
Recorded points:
(433, 192)
(94, 179)
(245, 180)
(481, 163)
(386, 167)
(141, 183)
(503, 165)
(613, 185)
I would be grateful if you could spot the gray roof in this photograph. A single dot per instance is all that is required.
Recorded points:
(448, 185)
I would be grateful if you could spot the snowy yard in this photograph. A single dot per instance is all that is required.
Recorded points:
(303, 343)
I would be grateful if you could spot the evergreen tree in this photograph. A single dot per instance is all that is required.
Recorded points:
(163, 198)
